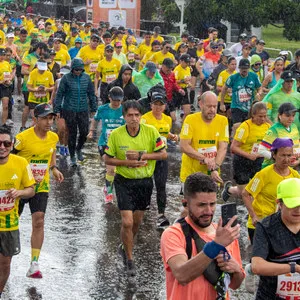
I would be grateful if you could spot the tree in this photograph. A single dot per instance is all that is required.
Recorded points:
(201, 14)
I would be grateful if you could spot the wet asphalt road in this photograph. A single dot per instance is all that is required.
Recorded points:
(79, 258)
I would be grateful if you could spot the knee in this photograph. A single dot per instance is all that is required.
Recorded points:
(127, 223)
(38, 223)
(5, 265)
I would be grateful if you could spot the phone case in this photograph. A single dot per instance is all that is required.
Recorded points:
(228, 210)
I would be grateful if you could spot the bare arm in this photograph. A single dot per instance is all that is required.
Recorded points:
(25, 70)
(221, 153)
(265, 83)
(26, 193)
(236, 149)
(186, 147)
(223, 93)
(159, 155)
(262, 267)
(112, 161)
(248, 199)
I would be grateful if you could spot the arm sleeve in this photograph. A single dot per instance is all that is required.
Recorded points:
(60, 94)
(91, 96)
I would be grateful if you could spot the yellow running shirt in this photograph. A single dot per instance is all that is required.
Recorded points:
(38, 152)
(163, 126)
(263, 187)
(204, 138)
(109, 70)
(5, 70)
(37, 79)
(159, 57)
(87, 53)
(182, 74)
(16, 174)
(223, 76)
(62, 57)
(251, 135)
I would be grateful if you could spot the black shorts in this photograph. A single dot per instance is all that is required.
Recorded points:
(101, 150)
(227, 106)
(26, 95)
(5, 91)
(171, 106)
(18, 71)
(10, 243)
(194, 72)
(182, 100)
(238, 116)
(38, 203)
(244, 169)
(133, 194)
(32, 105)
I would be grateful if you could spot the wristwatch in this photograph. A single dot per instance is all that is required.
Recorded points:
(293, 266)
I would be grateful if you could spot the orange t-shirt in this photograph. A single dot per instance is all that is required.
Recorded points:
(173, 243)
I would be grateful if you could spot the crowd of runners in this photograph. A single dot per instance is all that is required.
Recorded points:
(236, 100)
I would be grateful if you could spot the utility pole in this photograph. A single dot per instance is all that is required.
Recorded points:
(181, 5)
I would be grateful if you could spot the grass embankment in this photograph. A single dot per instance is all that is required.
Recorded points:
(274, 38)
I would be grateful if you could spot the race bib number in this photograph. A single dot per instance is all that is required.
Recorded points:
(6, 203)
(6, 76)
(243, 95)
(110, 78)
(40, 94)
(210, 152)
(93, 67)
(288, 286)
(255, 148)
(38, 171)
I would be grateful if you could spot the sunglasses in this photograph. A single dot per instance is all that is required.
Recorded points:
(111, 51)
(6, 144)
(119, 47)
(95, 41)
(258, 64)
(78, 70)
(215, 47)
(168, 47)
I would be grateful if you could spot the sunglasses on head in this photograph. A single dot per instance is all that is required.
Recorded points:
(6, 144)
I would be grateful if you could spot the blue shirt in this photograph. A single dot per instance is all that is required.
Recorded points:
(243, 90)
(111, 119)
(73, 52)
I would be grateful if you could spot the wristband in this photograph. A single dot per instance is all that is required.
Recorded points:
(293, 266)
(53, 167)
(140, 155)
(212, 249)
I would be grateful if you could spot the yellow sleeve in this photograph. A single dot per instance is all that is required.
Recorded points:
(256, 184)
(242, 133)
(187, 129)
(31, 78)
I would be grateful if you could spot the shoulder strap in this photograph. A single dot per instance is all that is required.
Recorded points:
(188, 238)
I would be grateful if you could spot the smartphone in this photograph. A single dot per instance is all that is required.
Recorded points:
(228, 210)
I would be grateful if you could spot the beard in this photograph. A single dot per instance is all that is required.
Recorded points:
(202, 221)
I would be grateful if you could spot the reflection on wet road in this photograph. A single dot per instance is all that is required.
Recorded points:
(79, 257)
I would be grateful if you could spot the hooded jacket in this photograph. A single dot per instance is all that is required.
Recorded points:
(260, 71)
(131, 92)
(74, 90)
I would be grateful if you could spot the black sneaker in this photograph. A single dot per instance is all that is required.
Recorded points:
(122, 253)
(131, 271)
(79, 155)
(225, 193)
(162, 221)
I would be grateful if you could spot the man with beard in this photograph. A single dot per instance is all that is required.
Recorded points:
(204, 140)
(187, 277)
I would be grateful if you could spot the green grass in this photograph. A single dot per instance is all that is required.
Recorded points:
(274, 38)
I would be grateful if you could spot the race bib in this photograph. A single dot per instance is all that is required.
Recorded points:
(6, 76)
(210, 152)
(6, 203)
(93, 67)
(40, 94)
(255, 148)
(288, 286)
(110, 78)
(243, 95)
(38, 171)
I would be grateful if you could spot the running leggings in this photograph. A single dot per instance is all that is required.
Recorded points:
(74, 121)
(160, 179)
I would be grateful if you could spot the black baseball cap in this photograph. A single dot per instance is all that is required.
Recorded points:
(151, 67)
(109, 47)
(185, 57)
(191, 39)
(287, 108)
(106, 35)
(243, 36)
(287, 75)
(156, 96)
(261, 42)
(168, 62)
(43, 110)
(297, 53)
(116, 93)
(244, 63)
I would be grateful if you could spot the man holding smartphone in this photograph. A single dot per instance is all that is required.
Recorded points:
(191, 278)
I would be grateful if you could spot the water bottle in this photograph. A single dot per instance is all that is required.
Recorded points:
(248, 270)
